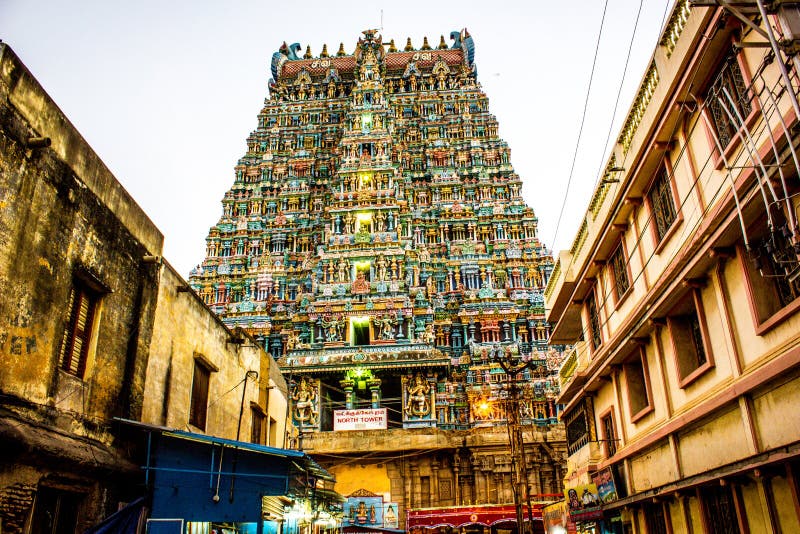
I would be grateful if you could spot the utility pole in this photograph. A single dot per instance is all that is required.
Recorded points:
(514, 365)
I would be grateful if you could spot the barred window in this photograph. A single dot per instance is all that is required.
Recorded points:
(771, 268)
(594, 321)
(720, 509)
(77, 336)
(619, 268)
(655, 518)
(577, 424)
(662, 204)
(610, 435)
(728, 98)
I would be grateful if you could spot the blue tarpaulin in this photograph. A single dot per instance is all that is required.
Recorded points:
(125, 521)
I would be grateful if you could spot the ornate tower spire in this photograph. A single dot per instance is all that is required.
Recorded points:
(375, 225)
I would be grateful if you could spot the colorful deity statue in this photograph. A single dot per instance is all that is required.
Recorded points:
(304, 399)
(417, 397)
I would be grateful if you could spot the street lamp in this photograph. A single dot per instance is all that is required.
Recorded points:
(513, 365)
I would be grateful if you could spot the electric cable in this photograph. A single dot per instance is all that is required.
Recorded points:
(583, 121)
(619, 94)
(606, 295)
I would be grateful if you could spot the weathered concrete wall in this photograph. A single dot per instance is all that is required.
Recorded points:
(53, 222)
(277, 406)
(44, 118)
(63, 215)
(185, 329)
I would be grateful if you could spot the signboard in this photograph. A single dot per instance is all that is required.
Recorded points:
(583, 502)
(390, 515)
(606, 489)
(373, 419)
(557, 520)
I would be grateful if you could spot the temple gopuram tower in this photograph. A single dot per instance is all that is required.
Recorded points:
(375, 241)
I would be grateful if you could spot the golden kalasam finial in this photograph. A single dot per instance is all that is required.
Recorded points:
(442, 44)
(409, 47)
(324, 52)
(341, 51)
(425, 45)
(392, 47)
(308, 54)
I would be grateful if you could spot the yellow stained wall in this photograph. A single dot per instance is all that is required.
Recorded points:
(771, 408)
(371, 477)
(755, 508)
(653, 468)
(719, 441)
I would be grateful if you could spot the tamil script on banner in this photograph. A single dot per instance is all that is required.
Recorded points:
(372, 419)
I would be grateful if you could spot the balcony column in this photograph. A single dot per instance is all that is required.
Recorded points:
(374, 385)
(349, 395)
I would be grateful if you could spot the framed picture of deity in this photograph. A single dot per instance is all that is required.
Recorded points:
(419, 399)
(363, 511)
(390, 517)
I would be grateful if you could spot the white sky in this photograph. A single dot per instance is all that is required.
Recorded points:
(166, 92)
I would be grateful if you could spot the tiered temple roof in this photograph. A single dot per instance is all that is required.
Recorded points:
(376, 242)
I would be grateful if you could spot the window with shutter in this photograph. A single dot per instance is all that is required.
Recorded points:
(199, 404)
(78, 333)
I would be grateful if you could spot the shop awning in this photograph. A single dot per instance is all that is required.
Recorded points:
(459, 516)
(208, 478)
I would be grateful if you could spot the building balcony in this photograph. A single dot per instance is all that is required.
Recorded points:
(560, 309)
(572, 375)
(585, 454)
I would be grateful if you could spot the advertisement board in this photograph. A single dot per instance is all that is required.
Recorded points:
(606, 490)
(368, 419)
(583, 502)
(557, 520)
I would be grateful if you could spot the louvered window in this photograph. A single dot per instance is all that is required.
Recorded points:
(77, 336)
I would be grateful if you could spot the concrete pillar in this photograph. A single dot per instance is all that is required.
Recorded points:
(416, 494)
(435, 483)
